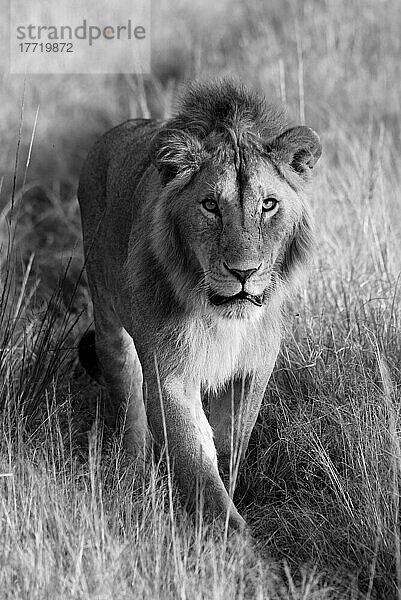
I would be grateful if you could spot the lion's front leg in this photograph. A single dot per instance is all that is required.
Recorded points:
(233, 413)
(122, 375)
(175, 411)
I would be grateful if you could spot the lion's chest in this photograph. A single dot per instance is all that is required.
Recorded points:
(215, 352)
(221, 361)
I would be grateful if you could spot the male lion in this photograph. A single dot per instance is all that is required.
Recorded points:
(193, 231)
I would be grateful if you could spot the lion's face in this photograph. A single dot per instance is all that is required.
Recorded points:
(236, 226)
(231, 214)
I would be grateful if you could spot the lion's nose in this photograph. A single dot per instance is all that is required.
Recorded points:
(242, 274)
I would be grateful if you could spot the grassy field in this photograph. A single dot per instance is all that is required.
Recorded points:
(321, 484)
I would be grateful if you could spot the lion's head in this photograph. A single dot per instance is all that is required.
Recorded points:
(232, 216)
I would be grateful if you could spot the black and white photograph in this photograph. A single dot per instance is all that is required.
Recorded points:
(200, 303)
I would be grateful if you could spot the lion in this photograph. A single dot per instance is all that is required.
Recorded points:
(194, 231)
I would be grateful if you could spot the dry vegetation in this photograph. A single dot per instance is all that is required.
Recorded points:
(322, 481)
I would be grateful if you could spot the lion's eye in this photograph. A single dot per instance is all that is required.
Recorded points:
(210, 205)
(269, 204)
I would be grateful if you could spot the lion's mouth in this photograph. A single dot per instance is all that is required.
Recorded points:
(218, 300)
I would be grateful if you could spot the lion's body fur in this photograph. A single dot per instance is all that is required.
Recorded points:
(153, 255)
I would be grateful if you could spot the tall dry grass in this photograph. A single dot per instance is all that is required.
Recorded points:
(321, 484)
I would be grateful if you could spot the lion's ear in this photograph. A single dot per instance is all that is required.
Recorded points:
(176, 153)
(299, 147)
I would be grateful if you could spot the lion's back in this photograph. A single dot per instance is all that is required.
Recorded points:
(116, 162)
(106, 193)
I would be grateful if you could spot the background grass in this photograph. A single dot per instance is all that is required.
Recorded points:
(321, 484)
